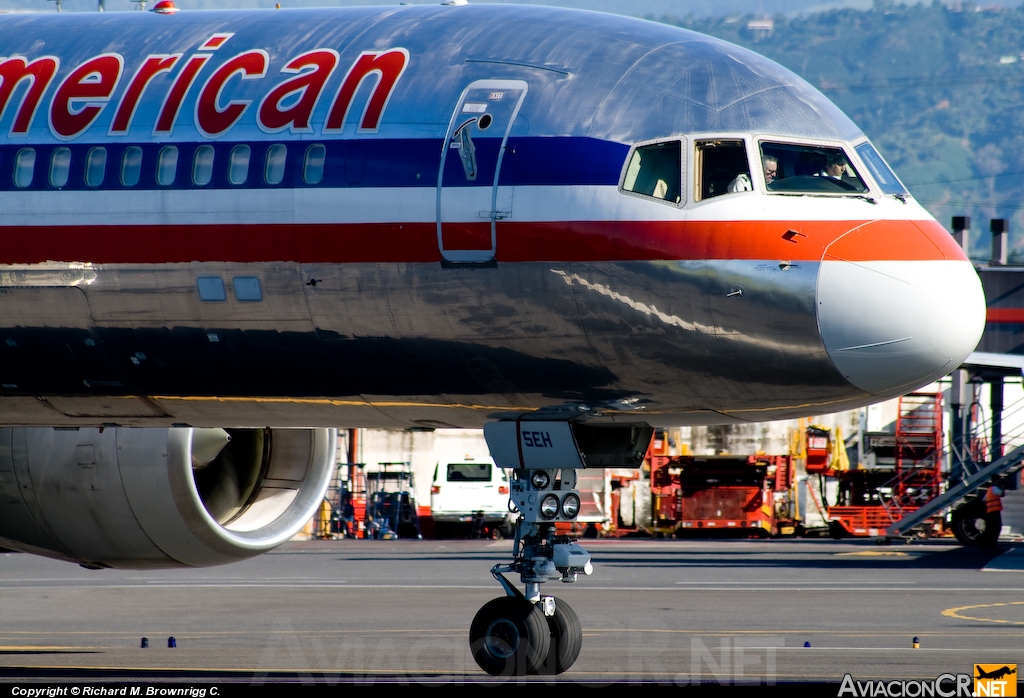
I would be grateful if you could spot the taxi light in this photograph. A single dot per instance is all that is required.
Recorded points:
(549, 507)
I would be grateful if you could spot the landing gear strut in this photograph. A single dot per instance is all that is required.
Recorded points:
(530, 633)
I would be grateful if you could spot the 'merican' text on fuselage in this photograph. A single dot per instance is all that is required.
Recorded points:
(86, 91)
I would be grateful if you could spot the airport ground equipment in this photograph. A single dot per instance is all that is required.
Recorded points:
(914, 495)
(523, 633)
(817, 451)
(625, 504)
(347, 496)
(919, 437)
(822, 451)
(741, 495)
(391, 510)
(965, 491)
(595, 501)
(870, 500)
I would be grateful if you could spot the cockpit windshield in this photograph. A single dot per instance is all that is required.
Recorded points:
(880, 171)
(808, 169)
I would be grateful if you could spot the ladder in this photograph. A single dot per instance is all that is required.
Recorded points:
(974, 476)
(918, 477)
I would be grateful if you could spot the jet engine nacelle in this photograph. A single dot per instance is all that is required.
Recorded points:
(145, 498)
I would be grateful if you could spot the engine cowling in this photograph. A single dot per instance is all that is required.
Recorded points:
(148, 498)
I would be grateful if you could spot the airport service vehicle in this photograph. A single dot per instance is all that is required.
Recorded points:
(468, 493)
(723, 495)
(226, 234)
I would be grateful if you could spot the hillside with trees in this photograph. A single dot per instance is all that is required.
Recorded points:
(937, 88)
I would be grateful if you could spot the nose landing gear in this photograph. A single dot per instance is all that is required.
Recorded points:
(566, 638)
(528, 633)
(516, 635)
(521, 634)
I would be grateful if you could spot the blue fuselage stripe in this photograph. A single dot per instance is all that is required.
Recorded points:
(364, 162)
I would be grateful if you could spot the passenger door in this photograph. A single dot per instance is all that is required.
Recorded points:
(469, 200)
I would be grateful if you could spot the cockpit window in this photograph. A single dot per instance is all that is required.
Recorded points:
(655, 170)
(879, 170)
(721, 168)
(808, 169)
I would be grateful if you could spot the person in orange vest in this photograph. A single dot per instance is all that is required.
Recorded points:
(993, 514)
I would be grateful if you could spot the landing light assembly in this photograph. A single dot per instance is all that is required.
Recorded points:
(549, 507)
(570, 506)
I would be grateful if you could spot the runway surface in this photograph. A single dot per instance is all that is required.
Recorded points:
(668, 612)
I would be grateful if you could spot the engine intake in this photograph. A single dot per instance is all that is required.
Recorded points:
(147, 498)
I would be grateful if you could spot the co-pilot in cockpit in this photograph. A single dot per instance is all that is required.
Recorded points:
(811, 169)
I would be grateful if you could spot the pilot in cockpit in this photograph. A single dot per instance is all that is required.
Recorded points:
(771, 169)
(835, 167)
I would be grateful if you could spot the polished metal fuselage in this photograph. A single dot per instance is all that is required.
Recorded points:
(414, 344)
(362, 319)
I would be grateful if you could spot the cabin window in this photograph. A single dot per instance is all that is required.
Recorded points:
(131, 166)
(24, 167)
(885, 178)
(721, 168)
(167, 166)
(211, 288)
(247, 288)
(60, 167)
(95, 166)
(313, 167)
(202, 165)
(273, 171)
(655, 170)
(808, 169)
(238, 164)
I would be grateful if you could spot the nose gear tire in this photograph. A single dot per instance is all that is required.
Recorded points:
(510, 637)
(566, 639)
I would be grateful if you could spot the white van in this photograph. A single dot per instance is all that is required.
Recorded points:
(468, 489)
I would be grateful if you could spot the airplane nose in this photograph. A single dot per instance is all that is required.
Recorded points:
(893, 325)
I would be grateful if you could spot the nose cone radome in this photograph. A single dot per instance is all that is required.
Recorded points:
(892, 326)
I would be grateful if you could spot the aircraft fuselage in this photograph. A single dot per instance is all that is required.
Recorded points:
(430, 216)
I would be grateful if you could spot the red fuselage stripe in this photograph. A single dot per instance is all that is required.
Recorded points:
(1005, 315)
(573, 241)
